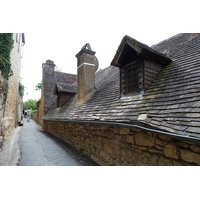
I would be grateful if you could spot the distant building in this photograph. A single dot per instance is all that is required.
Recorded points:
(54, 82)
(11, 110)
(142, 110)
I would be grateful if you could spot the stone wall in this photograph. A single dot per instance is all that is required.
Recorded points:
(109, 145)
(11, 111)
(1, 110)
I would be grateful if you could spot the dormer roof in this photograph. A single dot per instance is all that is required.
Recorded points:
(131, 49)
(61, 87)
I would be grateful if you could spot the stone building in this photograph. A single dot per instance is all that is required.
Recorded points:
(53, 82)
(11, 110)
(142, 110)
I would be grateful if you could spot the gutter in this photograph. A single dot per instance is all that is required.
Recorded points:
(194, 139)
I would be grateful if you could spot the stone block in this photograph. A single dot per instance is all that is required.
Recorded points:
(160, 142)
(130, 139)
(108, 148)
(142, 148)
(117, 150)
(171, 151)
(160, 147)
(123, 152)
(124, 131)
(155, 151)
(88, 141)
(182, 144)
(104, 156)
(190, 156)
(162, 161)
(144, 139)
(97, 144)
(178, 163)
(163, 137)
(104, 128)
(195, 148)
(109, 134)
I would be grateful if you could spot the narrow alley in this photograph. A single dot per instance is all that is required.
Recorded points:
(39, 148)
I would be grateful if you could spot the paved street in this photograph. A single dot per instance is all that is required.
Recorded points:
(42, 149)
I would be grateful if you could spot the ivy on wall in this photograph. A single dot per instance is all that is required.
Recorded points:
(6, 42)
(21, 89)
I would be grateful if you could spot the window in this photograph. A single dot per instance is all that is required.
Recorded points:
(131, 78)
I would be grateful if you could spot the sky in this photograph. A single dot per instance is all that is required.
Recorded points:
(57, 31)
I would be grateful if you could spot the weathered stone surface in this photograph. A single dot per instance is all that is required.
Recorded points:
(124, 131)
(88, 141)
(162, 161)
(171, 151)
(123, 152)
(105, 156)
(97, 144)
(163, 137)
(144, 139)
(190, 156)
(160, 142)
(178, 163)
(130, 139)
(195, 148)
(142, 148)
(182, 144)
(155, 151)
(108, 148)
(116, 130)
(159, 147)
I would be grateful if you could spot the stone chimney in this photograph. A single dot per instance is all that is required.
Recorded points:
(48, 84)
(87, 64)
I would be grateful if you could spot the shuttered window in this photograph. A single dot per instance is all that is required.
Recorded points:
(131, 78)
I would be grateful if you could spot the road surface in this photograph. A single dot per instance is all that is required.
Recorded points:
(39, 148)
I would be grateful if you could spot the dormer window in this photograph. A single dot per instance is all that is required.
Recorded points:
(64, 92)
(131, 78)
(139, 65)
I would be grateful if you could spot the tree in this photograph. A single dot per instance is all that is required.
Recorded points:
(38, 86)
(31, 103)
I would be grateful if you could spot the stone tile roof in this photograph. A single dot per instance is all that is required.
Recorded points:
(65, 78)
(61, 87)
(171, 103)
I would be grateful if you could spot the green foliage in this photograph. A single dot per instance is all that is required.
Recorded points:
(21, 89)
(58, 69)
(38, 86)
(31, 103)
(6, 42)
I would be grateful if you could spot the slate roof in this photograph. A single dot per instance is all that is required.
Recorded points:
(171, 103)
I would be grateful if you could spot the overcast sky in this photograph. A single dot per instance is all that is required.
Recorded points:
(57, 31)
